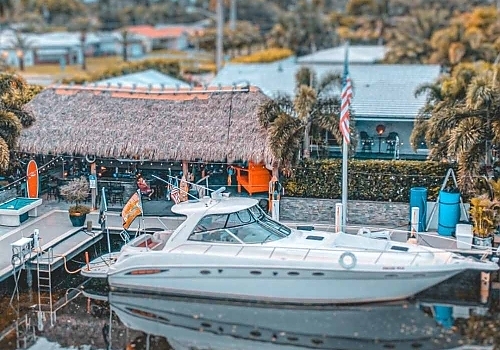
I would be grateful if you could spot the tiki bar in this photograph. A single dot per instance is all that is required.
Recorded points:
(117, 133)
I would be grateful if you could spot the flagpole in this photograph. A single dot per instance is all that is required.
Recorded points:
(345, 151)
(346, 137)
(142, 212)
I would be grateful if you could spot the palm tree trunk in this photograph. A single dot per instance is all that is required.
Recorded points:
(124, 51)
(487, 160)
(305, 146)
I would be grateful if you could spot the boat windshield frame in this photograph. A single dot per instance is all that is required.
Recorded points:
(247, 226)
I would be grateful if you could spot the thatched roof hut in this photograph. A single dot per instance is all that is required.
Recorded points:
(176, 124)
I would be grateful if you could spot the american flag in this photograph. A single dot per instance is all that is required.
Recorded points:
(346, 97)
(175, 195)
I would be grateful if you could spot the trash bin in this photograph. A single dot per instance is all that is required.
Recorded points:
(444, 315)
(418, 198)
(449, 212)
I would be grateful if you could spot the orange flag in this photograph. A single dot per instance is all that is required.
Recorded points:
(131, 210)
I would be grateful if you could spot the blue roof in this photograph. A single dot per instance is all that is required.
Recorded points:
(380, 90)
(144, 79)
(357, 54)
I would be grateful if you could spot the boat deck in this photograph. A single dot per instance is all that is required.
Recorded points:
(66, 241)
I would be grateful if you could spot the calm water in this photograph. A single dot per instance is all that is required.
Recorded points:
(90, 317)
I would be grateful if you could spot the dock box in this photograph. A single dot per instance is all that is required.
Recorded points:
(464, 236)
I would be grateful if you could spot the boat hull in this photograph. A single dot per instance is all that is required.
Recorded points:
(277, 285)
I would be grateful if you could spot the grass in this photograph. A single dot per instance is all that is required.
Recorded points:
(98, 64)
(94, 64)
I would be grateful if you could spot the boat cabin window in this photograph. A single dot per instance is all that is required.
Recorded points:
(245, 226)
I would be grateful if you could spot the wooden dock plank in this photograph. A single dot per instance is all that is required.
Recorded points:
(67, 248)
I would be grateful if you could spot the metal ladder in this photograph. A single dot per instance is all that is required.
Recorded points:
(44, 283)
(25, 333)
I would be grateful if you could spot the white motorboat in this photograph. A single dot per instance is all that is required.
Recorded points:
(230, 248)
(204, 324)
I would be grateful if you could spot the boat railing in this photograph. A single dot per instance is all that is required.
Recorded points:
(339, 250)
(423, 238)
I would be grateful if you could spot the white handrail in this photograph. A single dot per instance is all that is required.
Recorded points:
(339, 249)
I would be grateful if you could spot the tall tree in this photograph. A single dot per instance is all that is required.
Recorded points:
(21, 44)
(290, 122)
(14, 93)
(461, 119)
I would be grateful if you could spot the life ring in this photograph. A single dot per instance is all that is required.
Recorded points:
(90, 159)
(347, 260)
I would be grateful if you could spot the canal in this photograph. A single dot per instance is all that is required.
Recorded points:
(85, 315)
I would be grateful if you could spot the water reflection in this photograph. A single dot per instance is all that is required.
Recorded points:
(153, 323)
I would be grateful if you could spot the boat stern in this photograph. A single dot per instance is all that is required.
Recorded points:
(99, 267)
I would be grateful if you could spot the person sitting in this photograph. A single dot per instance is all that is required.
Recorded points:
(143, 187)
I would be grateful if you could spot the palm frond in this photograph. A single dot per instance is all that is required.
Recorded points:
(304, 101)
(10, 128)
(480, 92)
(272, 108)
(329, 83)
(4, 155)
(305, 76)
(465, 136)
(285, 136)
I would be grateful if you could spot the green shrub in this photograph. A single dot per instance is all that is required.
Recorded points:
(375, 180)
(167, 66)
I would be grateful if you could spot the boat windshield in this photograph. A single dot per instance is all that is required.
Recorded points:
(250, 225)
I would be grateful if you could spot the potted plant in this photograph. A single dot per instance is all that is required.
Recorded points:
(485, 217)
(76, 191)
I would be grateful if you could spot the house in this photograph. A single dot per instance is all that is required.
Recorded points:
(148, 78)
(65, 48)
(384, 104)
(172, 37)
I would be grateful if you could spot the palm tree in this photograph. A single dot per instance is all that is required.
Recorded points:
(410, 40)
(125, 40)
(461, 121)
(20, 44)
(290, 122)
(14, 93)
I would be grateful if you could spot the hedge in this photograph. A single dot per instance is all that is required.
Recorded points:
(375, 180)
(264, 56)
(167, 66)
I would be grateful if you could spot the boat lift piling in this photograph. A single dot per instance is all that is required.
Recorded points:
(338, 217)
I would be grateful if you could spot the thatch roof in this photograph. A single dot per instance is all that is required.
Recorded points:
(185, 124)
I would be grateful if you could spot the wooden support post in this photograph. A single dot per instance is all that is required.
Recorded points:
(185, 168)
(485, 287)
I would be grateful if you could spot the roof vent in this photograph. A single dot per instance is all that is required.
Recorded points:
(280, 68)
(134, 86)
(162, 86)
(150, 86)
(108, 85)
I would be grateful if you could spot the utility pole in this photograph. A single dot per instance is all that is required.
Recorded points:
(220, 34)
(232, 15)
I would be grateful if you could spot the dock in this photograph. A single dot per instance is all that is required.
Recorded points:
(65, 241)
